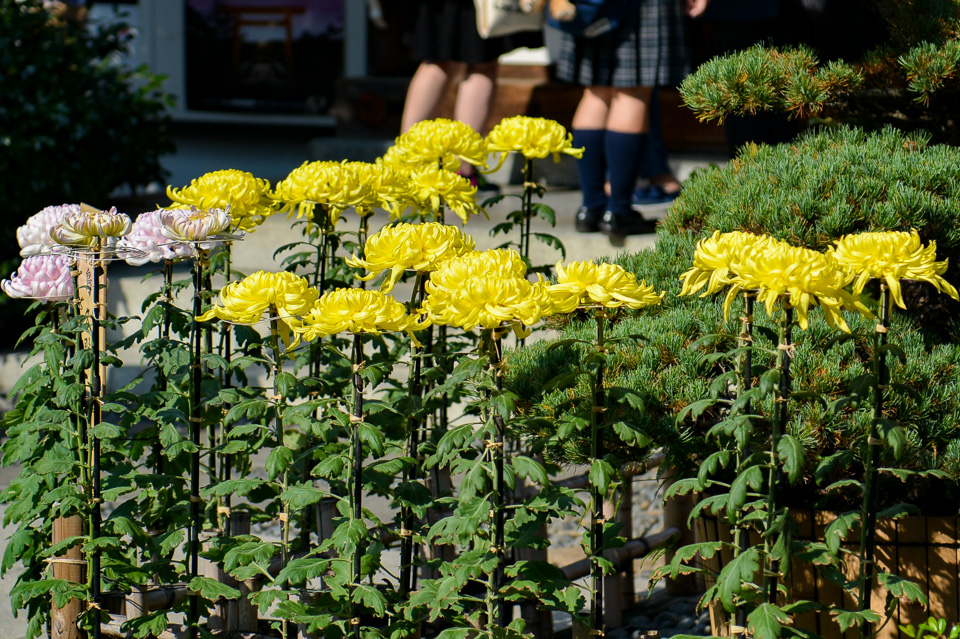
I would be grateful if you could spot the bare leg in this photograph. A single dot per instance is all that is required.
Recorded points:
(474, 96)
(593, 109)
(629, 111)
(425, 91)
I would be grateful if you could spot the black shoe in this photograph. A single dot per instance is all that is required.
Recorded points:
(621, 224)
(588, 220)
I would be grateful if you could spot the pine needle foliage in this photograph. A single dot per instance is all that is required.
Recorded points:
(826, 185)
(919, 62)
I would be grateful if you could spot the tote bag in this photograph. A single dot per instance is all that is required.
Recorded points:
(501, 17)
(596, 17)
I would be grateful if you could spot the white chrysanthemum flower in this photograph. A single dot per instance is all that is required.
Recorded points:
(34, 236)
(193, 224)
(90, 227)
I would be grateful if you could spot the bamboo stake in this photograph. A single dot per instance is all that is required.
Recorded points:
(71, 567)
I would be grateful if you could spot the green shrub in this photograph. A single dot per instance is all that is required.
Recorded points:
(826, 185)
(910, 81)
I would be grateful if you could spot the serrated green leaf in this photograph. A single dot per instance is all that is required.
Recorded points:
(278, 461)
(790, 451)
(212, 589)
(766, 621)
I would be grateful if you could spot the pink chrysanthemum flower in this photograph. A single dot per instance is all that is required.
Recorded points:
(34, 236)
(146, 235)
(42, 277)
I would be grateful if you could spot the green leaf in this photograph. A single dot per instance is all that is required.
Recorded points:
(278, 461)
(767, 621)
(524, 466)
(770, 382)
(602, 475)
(371, 598)
(150, 625)
(630, 435)
(238, 487)
(695, 409)
(839, 528)
(899, 510)
(106, 430)
(300, 496)
(828, 464)
(747, 478)
(894, 435)
(790, 451)
(714, 462)
(212, 589)
(902, 588)
(847, 619)
(741, 570)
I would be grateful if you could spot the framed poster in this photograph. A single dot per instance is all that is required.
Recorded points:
(263, 56)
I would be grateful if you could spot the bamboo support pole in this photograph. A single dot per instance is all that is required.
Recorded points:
(72, 568)
(242, 615)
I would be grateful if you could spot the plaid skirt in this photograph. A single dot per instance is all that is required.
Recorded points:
(648, 49)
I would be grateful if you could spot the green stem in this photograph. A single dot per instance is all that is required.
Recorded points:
(499, 487)
(96, 392)
(596, 497)
(871, 494)
(357, 490)
(195, 401)
(527, 209)
(226, 351)
(778, 424)
(741, 533)
(278, 433)
(407, 573)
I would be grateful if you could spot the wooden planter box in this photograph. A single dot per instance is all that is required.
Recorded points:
(922, 549)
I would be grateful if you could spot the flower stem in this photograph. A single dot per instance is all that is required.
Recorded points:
(407, 573)
(195, 399)
(778, 424)
(278, 433)
(527, 208)
(96, 392)
(871, 494)
(499, 488)
(596, 497)
(226, 351)
(357, 490)
(741, 532)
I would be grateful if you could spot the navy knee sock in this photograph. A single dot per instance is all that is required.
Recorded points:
(624, 152)
(592, 167)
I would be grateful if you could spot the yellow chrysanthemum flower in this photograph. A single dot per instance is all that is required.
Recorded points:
(802, 276)
(245, 195)
(439, 142)
(489, 301)
(718, 258)
(892, 256)
(609, 285)
(433, 187)
(416, 247)
(304, 187)
(337, 186)
(245, 301)
(533, 138)
(451, 274)
(354, 310)
(87, 226)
